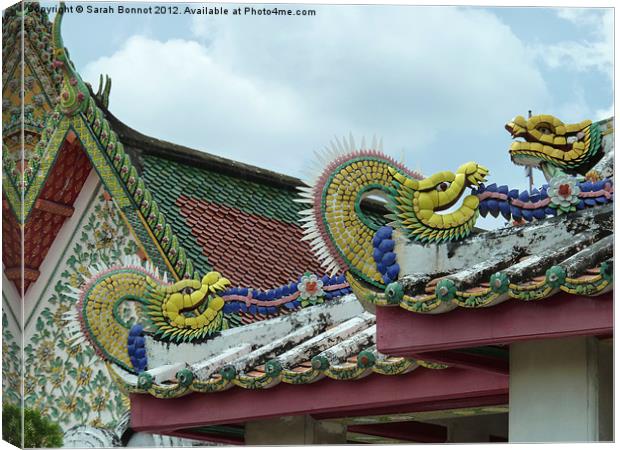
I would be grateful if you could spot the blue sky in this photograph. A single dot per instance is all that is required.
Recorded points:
(436, 83)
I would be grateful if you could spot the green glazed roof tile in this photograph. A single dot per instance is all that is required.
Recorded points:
(184, 193)
(169, 179)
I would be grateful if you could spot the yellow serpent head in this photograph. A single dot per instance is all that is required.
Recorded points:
(546, 142)
(188, 309)
(418, 205)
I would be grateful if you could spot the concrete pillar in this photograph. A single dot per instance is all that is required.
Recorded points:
(291, 430)
(477, 428)
(560, 391)
(606, 390)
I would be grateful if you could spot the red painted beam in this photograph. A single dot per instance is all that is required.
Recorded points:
(326, 396)
(404, 431)
(404, 333)
(467, 361)
(473, 402)
(54, 207)
(15, 273)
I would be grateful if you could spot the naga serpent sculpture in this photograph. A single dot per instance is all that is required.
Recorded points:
(183, 311)
(575, 159)
(555, 147)
(344, 238)
(186, 311)
(194, 310)
(341, 234)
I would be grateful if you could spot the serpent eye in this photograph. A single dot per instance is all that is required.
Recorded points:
(544, 128)
(443, 186)
(187, 290)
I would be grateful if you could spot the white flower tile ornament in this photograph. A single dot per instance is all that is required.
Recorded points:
(310, 290)
(564, 193)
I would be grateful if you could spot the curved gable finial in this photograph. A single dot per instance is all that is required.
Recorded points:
(74, 93)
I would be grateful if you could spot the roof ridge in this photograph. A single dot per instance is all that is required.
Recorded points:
(143, 200)
(190, 156)
(196, 158)
(120, 175)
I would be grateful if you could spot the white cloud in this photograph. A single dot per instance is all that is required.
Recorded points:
(574, 107)
(204, 28)
(270, 91)
(199, 27)
(584, 16)
(604, 113)
(175, 90)
(593, 47)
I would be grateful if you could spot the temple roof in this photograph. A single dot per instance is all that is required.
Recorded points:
(193, 213)
(335, 340)
(428, 259)
(231, 217)
(165, 191)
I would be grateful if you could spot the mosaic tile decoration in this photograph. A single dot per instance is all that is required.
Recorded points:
(70, 383)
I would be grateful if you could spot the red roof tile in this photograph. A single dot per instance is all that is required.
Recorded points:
(62, 187)
(249, 249)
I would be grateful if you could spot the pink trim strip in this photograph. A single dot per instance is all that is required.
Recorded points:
(251, 301)
(334, 287)
(529, 205)
(605, 192)
(495, 195)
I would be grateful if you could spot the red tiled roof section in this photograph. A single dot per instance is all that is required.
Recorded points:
(11, 241)
(61, 189)
(69, 174)
(250, 250)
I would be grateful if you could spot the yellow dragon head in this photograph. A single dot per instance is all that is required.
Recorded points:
(548, 143)
(188, 309)
(419, 205)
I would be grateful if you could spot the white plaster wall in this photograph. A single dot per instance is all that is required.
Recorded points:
(70, 384)
(11, 343)
(10, 296)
